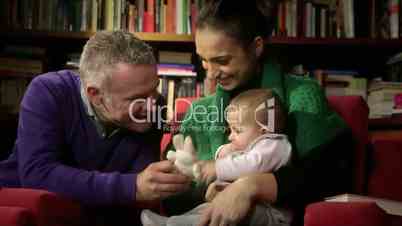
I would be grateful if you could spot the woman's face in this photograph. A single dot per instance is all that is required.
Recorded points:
(225, 59)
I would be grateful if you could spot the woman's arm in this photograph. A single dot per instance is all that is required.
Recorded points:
(267, 155)
(240, 196)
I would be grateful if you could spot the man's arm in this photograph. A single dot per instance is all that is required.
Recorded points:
(40, 141)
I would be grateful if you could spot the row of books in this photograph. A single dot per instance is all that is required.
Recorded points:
(340, 19)
(316, 19)
(384, 98)
(173, 87)
(394, 69)
(18, 65)
(22, 61)
(336, 82)
(170, 16)
(178, 78)
(386, 19)
(344, 83)
(11, 93)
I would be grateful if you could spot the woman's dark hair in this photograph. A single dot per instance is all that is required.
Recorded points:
(240, 19)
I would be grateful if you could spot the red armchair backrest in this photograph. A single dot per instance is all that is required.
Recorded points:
(354, 110)
(385, 174)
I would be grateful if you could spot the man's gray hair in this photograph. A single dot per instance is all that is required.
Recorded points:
(106, 49)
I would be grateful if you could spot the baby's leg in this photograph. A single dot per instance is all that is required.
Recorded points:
(268, 215)
(190, 218)
(149, 218)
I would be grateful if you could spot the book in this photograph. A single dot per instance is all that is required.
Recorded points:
(383, 95)
(377, 85)
(174, 57)
(179, 70)
(389, 206)
(393, 9)
(21, 65)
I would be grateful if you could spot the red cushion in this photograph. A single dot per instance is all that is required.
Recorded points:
(182, 105)
(385, 179)
(344, 214)
(15, 216)
(354, 110)
(47, 208)
(394, 220)
(166, 138)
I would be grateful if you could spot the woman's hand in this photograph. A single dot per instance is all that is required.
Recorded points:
(205, 171)
(232, 205)
(211, 192)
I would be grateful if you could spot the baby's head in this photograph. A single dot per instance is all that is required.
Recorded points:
(253, 113)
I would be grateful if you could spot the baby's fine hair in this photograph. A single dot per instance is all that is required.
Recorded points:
(249, 103)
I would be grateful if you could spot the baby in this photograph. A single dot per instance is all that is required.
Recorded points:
(257, 144)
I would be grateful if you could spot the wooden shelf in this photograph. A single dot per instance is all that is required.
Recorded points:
(162, 37)
(150, 37)
(367, 42)
(171, 37)
(394, 122)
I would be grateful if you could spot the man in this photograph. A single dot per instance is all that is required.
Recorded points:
(86, 137)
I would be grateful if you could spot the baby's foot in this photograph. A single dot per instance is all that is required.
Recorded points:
(149, 218)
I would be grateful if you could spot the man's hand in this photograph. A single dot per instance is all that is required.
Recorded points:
(160, 180)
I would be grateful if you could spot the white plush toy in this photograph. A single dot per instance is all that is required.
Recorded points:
(184, 157)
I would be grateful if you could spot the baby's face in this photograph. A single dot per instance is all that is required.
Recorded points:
(241, 133)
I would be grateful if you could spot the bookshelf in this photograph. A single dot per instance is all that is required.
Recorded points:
(149, 37)
(365, 50)
(188, 38)
(362, 42)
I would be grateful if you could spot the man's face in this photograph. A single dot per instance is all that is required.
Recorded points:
(224, 59)
(130, 96)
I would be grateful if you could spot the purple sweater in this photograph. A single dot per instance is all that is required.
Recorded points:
(59, 149)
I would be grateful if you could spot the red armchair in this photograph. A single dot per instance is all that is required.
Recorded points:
(20, 207)
(381, 178)
(36, 207)
(383, 181)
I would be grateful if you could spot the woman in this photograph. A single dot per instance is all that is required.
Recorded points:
(230, 42)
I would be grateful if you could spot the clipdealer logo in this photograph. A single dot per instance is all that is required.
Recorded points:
(148, 110)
